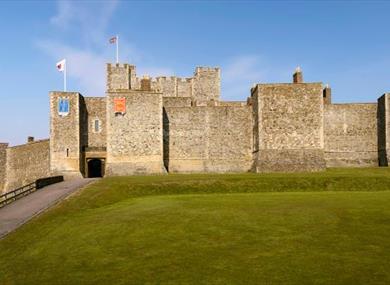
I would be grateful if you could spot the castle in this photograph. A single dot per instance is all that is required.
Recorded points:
(180, 125)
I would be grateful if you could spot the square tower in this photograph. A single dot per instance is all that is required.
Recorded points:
(134, 133)
(288, 127)
(120, 77)
(66, 113)
(207, 84)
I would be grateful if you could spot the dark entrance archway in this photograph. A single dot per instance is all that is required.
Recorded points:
(95, 168)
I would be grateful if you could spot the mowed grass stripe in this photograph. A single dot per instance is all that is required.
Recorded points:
(125, 231)
(113, 189)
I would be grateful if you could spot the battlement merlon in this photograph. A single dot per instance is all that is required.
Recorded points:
(200, 69)
(120, 65)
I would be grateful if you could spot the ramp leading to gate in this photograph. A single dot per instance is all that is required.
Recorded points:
(19, 212)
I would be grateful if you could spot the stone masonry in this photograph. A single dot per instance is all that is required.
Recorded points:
(3, 165)
(170, 124)
(26, 163)
(289, 128)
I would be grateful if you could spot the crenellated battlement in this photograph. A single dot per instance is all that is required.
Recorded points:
(166, 78)
(120, 65)
(185, 79)
(204, 85)
(199, 69)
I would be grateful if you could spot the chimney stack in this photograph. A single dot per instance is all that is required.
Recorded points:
(327, 94)
(298, 76)
(30, 139)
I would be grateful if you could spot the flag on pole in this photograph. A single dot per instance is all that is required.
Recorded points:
(115, 40)
(61, 66)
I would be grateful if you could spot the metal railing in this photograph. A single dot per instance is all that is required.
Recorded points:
(20, 192)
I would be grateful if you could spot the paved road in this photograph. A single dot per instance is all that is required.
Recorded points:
(19, 212)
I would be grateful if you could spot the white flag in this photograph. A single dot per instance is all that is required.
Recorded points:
(61, 65)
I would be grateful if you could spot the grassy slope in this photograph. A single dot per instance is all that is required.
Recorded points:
(127, 230)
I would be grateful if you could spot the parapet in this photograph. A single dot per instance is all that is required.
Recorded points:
(200, 69)
(261, 86)
(120, 65)
(165, 78)
(64, 94)
(183, 80)
(29, 143)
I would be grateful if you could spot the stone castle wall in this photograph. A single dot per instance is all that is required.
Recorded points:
(177, 102)
(3, 165)
(135, 139)
(351, 135)
(384, 129)
(208, 139)
(289, 127)
(26, 163)
(167, 86)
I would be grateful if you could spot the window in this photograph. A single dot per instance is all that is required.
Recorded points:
(97, 126)
(67, 152)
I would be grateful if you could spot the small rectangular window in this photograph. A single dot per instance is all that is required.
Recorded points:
(96, 126)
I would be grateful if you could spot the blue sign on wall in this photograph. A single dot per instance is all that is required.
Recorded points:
(63, 106)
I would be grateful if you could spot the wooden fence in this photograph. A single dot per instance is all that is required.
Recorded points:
(20, 192)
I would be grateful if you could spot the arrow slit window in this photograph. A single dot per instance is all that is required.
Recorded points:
(96, 126)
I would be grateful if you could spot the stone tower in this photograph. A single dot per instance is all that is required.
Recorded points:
(134, 124)
(288, 126)
(65, 134)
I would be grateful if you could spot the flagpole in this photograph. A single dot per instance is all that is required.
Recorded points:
(117, 49)
(66, 67)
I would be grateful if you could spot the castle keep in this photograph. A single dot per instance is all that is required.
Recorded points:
(170, 124)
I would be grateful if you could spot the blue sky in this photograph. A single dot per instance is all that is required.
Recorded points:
(343, 43)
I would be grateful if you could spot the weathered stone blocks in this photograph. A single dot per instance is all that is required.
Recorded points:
(135, 138)
(66, 139)
(351, 135)
(208, 139)
(3, 165)
(26, 163)
(288, 127)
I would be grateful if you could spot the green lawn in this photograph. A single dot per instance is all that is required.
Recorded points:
(306, 228)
